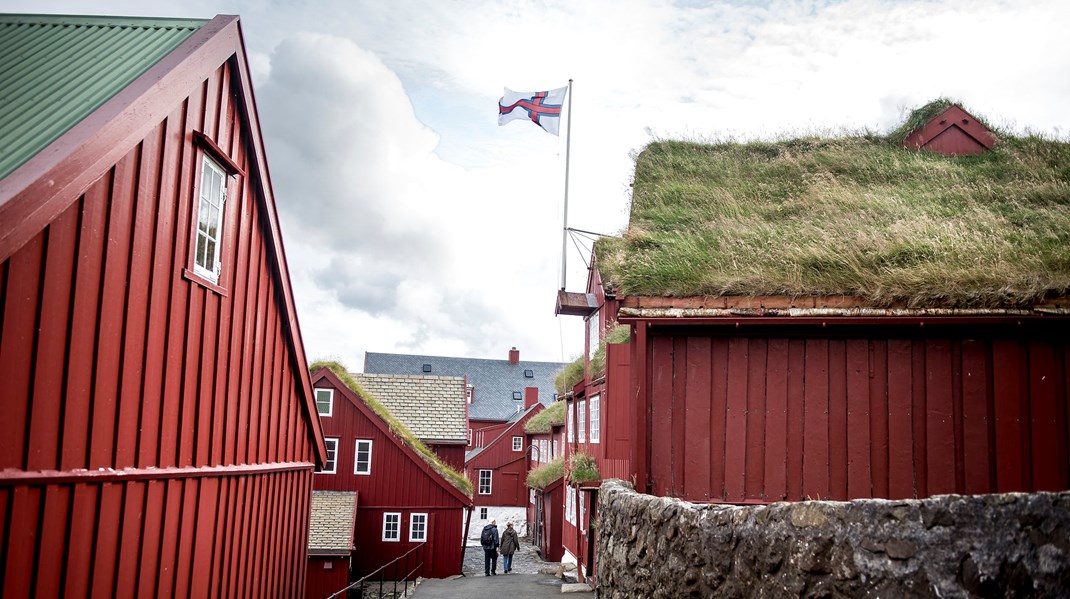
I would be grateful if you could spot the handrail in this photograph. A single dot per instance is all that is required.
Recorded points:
(410, 573)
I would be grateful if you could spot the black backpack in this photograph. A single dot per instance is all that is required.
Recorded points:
(487, 538)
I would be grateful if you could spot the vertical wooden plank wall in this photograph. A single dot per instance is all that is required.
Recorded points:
(111, 359)
(772, 417)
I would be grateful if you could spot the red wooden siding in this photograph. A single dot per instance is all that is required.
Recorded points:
(400, 481)
(326, 575)
(114, 360)
(891, 413)
(509, 468)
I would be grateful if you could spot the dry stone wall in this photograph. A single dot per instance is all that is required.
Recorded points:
(1010, 545)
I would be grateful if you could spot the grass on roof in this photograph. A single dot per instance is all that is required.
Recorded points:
(397, 428)
(543, 476)
(568, 376)
(584, 469)
(572, 372)
(856, 215)
(544, 421)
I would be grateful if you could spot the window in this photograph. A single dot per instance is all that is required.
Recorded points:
(427, 368)
(592, 334)
(531, 495)
(544, 450)
(482, 513)
(570, 505)
(518, 443)
(518, 395)
(529, 374)
(581, 420)
(583, 505)
(596, 418)
(557, 448)
(324, 401)
(392, 526)
(417, 527)
(484, 482)
(570, 424)
(363, 459)
(468, 393)
(332, 456)
(213, 196)
(469, 436)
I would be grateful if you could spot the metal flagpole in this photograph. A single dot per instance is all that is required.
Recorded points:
(568, 147)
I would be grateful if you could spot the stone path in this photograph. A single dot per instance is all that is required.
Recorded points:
(525, 561)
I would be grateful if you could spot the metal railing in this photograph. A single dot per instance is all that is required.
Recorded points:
(400, 572)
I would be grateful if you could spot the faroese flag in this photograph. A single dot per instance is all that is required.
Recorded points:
(541, 108)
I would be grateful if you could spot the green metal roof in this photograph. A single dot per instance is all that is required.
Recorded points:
(56, 69)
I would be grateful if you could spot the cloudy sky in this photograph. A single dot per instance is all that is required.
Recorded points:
(415, 224)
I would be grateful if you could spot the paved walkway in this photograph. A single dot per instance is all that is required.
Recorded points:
(523, 581)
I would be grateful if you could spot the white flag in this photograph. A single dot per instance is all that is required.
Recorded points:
(541, 108)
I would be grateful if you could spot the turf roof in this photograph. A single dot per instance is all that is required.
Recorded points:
(856, 215)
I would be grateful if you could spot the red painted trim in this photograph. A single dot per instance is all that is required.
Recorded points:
(193, 277)
(20, 478)
(740, 322)
(217, 153)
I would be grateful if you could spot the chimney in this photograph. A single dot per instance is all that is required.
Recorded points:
(514, 356)
(531, 396)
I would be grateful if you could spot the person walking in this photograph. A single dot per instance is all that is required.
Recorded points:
(489, 540)
(510, 543)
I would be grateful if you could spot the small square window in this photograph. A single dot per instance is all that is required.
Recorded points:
(363, 457)
(392, 526)
(529, 374)
(518, 443)
(518, 395)
(482, 513)
(417, 528)
(427, 368)
(324, 401)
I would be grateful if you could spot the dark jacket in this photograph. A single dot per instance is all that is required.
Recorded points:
(510, 542)
(494, 533)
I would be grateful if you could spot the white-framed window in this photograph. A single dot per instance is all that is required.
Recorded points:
(392, 526)
(545, 446)
(531, 495)
(482, 513)
(581, 420)
(596, 419)
(468, 392)
(325, 401)
(417, 528)
(583, 505)
(332, 457)
(469, 436)
(362, 458)
(557, 448)
(570, 504)
(593, 331)
(518, 443)
(209, 238)
(570, 423)
(484, 482)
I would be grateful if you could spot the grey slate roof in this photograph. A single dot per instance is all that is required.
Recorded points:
(431, 406)
(493, 381)
(330, 529)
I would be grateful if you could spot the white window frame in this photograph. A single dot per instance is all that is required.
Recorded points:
(412, 527)
(210, 268)
(468, 392)
(582, 500)
(518, 443)
(356, 457)
(581, 420)
(332, 448)
(570, 505)
(544, 446)
(593, 334)
(570, 422)
(557, 448)
(469, 436)
(490, 481)
(595, 406)
(330, 402)
(482, 513)
(386, 527)
(531, 495)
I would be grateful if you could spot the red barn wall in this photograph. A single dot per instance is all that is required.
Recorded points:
(894, 412)
(510, 468)
(111, 359)
(452, 454)
(326, 575)
(396, 484)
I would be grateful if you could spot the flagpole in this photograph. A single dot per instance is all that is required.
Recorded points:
(564, 228)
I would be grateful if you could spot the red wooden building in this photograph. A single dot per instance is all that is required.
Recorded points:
(406, 496)
(498, 472)
(762, 397)
(330, 542)
(157, 430)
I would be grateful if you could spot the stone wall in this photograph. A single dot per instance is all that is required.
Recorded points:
(948, 546)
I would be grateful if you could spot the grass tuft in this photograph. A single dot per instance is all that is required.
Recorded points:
(544, 421)
(856, 215)
(568, 376)
(543, 476)
(584, 469)
(397, 428)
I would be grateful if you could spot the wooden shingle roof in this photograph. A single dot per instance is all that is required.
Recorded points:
(330, 530)
(433, 407)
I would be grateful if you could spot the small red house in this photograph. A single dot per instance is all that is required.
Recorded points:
(408, 498)
(498, 473)
(157, 430)
(330, 542)
(432, 407)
